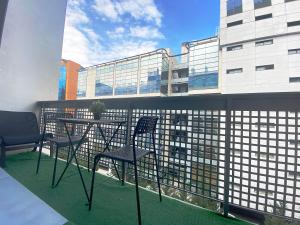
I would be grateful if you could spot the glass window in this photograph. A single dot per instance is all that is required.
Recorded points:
(150, 73)
(234, 7)
(262, 3)
(104, 80)
(203, 65)
(232, 71)
(263, 17)
(294, 51)
(235, 23)
(294, 23)
(294, 79)
(82, 82)
(234, 48)
(62, 83)
(264, 42)
(126, 77)
(265, 67)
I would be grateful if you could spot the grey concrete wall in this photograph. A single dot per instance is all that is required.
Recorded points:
(30, 53)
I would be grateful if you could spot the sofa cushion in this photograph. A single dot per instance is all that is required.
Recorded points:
(18, 124)
(20, 139)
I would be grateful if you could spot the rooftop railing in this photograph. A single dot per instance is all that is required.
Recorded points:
(237, 150)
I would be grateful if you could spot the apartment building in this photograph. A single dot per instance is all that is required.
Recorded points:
(157, 73)
(139, 75)
(260, 46)
(260, 52)
(195, 70)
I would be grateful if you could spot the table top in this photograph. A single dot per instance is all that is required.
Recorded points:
(91, 121)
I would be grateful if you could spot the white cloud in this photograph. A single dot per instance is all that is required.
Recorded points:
(146, 32)
(118, 32)
(128, 48)
(81, 44)
(138, 9)
(86, 45)
(107, 9)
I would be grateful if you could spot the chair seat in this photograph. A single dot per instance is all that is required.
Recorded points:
(64, 141)
(125, 154)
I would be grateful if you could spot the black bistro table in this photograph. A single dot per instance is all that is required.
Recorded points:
(89, 124)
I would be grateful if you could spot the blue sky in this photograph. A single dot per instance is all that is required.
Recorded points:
(98, 31)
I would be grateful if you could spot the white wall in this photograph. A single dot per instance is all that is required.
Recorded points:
(30, 53)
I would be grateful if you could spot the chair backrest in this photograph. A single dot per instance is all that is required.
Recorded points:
(50, 118)
(145, 125)
(18, 123)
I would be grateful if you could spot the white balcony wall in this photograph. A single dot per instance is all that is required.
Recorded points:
(30, 53)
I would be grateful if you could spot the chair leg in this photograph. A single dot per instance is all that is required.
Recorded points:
(51, 149)
(2, 157)
(69, 149)
(88, 152)
(137, 193)
(54, 168)
(157, 176)
(39, 159)
(35, 147)
(92, 184)
(123, 173)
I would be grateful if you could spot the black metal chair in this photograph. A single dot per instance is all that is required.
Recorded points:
(130, 154)
(59, 139)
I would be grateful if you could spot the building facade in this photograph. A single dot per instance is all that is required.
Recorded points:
(260, 46)
(68, 80)
(156, 73)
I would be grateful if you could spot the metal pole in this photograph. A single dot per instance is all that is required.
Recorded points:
(227, 158)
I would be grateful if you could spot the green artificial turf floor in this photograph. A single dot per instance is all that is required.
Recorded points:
(113, 204)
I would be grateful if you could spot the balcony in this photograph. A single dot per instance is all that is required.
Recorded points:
(233, 154)
(114, 204)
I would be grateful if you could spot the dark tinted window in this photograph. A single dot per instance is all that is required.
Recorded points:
(294, 79)
(265, 67)
(263, 17)
(234, 7)
(235, 23)
(236, 70)
(264, 42)
(294, 51)
(262, 3)
(234, 48)
(294, 23)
